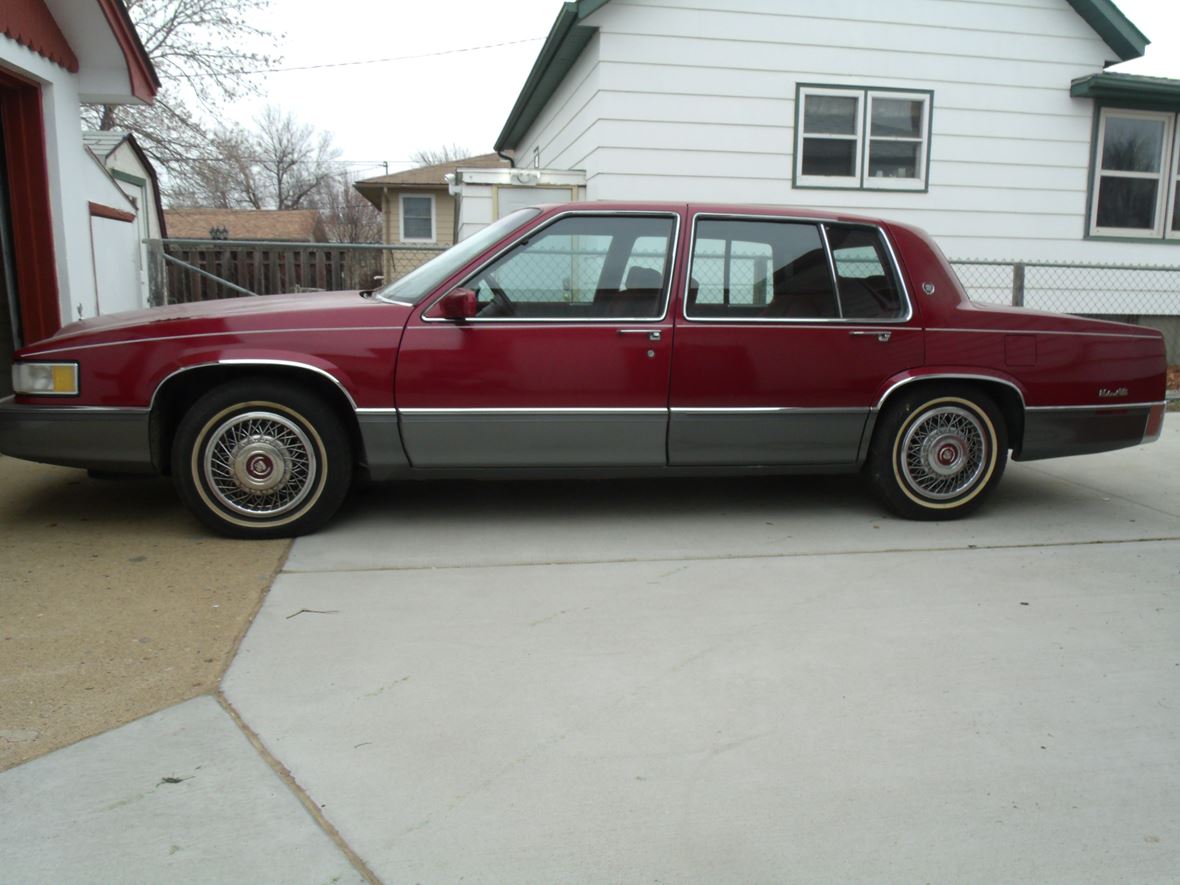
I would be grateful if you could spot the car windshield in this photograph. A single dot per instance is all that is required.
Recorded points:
(420, 282)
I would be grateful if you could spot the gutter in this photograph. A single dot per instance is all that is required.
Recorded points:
(545, 76)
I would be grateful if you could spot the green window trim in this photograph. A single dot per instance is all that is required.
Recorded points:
(1166, 212)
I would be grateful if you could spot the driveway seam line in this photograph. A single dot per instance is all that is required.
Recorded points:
(293, 785)
(735, 557)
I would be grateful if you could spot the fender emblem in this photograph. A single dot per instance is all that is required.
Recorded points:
(1107, 393)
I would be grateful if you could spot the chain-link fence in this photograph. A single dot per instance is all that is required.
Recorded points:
(198, 270)
(1095, 289)
(201, 270)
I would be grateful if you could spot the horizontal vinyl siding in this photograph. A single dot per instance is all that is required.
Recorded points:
(565, 117)
(444, 211)
(696, 101)
(1036, 16)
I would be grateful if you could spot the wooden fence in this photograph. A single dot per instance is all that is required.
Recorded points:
(202, 270)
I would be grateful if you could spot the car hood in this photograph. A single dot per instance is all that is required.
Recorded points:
(317, 310)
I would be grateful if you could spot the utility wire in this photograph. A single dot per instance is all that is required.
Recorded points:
(377, 61)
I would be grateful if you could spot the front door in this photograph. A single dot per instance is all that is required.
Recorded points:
(566, 363)
(789, 329)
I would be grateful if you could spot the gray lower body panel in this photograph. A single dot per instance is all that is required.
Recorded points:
(385, 457)
(1055, 433)
(77, 436)
(716, 438)
(535, 439)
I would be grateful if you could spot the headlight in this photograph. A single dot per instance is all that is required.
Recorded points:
(45, 379)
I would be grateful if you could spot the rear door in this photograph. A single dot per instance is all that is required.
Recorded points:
(788, 329)
(567, 362)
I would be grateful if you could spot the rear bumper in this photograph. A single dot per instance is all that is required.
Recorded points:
(1057, 432)
(77, 436)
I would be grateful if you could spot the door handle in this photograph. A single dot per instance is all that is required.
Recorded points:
(652, 334)
(880, 336)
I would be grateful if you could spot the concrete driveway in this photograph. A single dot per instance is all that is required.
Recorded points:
(728, 680)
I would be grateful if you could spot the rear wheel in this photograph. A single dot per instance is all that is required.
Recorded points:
(260, 459)
(938, 452)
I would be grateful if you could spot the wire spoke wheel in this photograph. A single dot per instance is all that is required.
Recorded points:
(938, 451)
(257, 458)
(944, 452)
(260, 464)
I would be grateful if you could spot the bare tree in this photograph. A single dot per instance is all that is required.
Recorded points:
(348, 217)
(447, 153)
(280, 164)
(297, 160)
(201, 50)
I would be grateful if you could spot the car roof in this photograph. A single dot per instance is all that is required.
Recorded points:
(759, 209)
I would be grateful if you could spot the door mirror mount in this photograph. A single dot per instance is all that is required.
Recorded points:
(459, 304)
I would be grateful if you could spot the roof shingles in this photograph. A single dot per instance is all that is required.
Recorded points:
(280, 225)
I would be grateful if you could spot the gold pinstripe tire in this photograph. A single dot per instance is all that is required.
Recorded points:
(261, 459)
(938, 452)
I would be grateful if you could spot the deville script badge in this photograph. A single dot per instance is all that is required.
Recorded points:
(1107, 393)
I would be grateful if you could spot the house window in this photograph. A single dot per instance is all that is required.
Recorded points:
(417, 218)
(1174, 189)
(856, 137)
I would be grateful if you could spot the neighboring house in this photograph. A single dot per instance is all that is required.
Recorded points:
(272, 225)
(484, 195)
(135, 177)
(417, 208)
(992, 125)
(54, 55)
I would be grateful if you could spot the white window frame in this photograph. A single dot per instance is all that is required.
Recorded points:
(401, 220)
(923, 142)
(1173, 183)
(863, 136)
(840, 181)
(1165, 177)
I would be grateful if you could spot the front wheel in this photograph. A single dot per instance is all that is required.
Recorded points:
(259, 459)
(937, 453)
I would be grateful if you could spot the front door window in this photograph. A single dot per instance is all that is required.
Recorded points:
(582, 267)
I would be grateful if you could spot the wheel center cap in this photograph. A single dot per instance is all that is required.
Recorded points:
(946, 454)
(259, 466)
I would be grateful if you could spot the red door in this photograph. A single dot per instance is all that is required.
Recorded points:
(788, 329)
(566, 363)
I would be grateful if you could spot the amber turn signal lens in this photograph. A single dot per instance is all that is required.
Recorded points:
(45, 379)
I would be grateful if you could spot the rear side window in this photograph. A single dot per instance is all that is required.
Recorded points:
(753, 269)
(866, 283)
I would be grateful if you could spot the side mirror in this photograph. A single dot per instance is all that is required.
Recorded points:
(459, 304)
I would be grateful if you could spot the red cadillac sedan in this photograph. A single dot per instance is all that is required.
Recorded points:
(594, 339)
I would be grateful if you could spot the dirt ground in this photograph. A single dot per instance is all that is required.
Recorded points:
(114, 603)
(1173, 377)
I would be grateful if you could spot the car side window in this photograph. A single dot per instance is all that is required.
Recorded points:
(581, 267)
(755, 269)
(865, 281)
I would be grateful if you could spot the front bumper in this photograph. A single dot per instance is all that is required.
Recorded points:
(96, 438)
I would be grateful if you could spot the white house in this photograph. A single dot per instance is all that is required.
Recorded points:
(54, 55)
(992, 125)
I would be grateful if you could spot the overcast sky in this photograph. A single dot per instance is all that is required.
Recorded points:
(433, 95)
